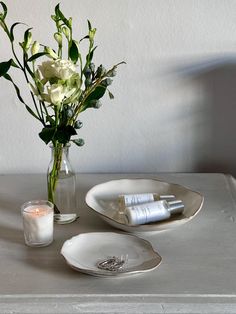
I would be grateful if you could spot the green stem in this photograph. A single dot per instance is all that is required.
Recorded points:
(45, 108)
(24, 68)
(54, 173)
(85, 96)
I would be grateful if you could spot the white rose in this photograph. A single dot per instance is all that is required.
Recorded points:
(47, 69)
(61, 69)
(64, 69)
(56, 93)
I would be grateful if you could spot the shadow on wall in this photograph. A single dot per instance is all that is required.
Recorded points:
(217, 80)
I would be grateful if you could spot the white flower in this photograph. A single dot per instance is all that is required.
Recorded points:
(58, 93)
(61, 69)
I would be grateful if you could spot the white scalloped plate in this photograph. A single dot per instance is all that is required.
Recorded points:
(84, 251)
(103, 199)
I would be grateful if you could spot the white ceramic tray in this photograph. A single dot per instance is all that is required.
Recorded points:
(103, 199)
(83, 253)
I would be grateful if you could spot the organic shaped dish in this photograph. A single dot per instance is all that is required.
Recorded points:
(87, 252)
(103, 199)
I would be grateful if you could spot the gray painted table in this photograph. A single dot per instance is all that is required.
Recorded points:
(197, 274)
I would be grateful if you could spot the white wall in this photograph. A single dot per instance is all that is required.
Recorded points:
(175, 100)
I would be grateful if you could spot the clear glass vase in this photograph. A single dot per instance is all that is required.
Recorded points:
(61, 180)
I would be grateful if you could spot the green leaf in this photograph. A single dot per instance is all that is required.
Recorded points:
(14, 64)
(27, 39)
(54, 18)
(60, 15)
(4, 67)
(4, 14)
(85, 37)
(12, 29)
(32, 112)
(64, 133)
(89, 56)
(110, 95)
(97, 93)
(26, 34)
(57, 8)
(47, 134)
(36, 56)
(74, 52)
(51, 53)
(89, 25)
(7, 77)
(70, 130)
(50, 120)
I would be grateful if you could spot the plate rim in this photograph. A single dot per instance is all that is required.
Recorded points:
(161, 223)
(103, 273)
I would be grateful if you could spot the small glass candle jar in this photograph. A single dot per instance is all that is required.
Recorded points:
(38, 222)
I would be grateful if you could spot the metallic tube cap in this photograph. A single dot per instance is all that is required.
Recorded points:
(168, 197)
(176, 207)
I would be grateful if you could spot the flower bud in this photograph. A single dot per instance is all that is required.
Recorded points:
(66, 32)
(35, 48)
(92, 67)
(69, 113)
(88, 82)
(100, 71)
(79, 141)
(87, 72)
(112, 73)
(95, 103)
(78, 124)
(98, 104)
(58, 38)
(51, 53)
(92, 33)
(54, 18)
(107, 82)
(40, 86)
(70, 22)
(28, 41)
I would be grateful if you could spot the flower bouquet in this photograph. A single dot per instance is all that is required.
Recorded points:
(61, 86)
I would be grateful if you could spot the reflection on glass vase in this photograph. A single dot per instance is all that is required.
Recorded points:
(61, 180)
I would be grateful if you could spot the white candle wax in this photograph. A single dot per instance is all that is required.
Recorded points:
(38, 225)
